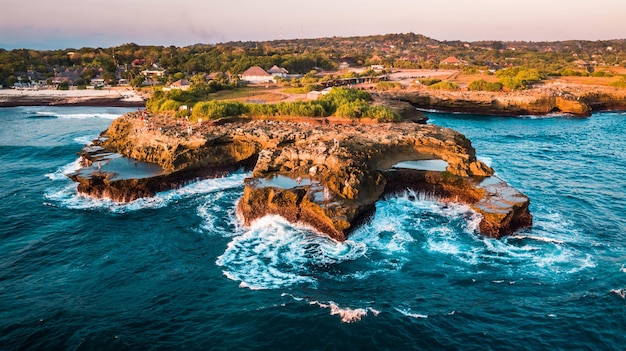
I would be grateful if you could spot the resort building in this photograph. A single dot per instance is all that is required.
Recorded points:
(276, 71)
(452, 61)
(181, 84)
(256, 74)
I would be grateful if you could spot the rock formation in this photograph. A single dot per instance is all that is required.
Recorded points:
(327, 175)
(576, 100)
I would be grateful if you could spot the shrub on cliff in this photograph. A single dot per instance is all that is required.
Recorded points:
(517, 78)
(382, 113)
(621, 83)
(354, 109)
(444, 85)
(338, 96)
(386, 86)
(429, 81)
(483, 85)
(217, 109)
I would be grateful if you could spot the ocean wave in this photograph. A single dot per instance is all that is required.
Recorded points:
(85, 140)
(68, 196)
(408, 313)
(348, 315)
(274, 253)
(619, 292)
(218, 214)
(52, 114)
(62, 172)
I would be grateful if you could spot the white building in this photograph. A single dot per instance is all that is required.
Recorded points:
(276, 71)
(256, 74)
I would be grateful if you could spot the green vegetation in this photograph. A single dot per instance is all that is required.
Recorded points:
(341, 102)
(518, 78)
(621, 83)
(386, 86)
(429, 81)
(483, 85)
(303, 56)
(444, 85)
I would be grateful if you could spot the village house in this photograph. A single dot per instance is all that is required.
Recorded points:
(181, 84)
(256, 75)
(155, 71)
(452, 61)
(276, 71)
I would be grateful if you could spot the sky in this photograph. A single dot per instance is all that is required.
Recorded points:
(61, 24)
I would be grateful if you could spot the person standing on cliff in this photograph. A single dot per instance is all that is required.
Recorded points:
(326, 196)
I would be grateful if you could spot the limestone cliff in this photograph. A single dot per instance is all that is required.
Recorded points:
(577, 100)
(326, 175)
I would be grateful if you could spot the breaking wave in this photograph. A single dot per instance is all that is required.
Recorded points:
(68, 197)
(66, 115)
(274, 253)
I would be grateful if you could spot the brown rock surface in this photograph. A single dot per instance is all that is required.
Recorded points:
(574, 99)
(342, 169)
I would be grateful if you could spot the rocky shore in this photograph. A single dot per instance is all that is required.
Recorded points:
(49, 97)
(325, 173)
(545, 98)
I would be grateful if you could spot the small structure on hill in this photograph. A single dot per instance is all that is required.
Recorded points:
(452, 61)
(256, 74)
(276, 71)
(181, 84)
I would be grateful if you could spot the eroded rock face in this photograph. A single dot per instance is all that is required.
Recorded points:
(331, 175)
(545, 98)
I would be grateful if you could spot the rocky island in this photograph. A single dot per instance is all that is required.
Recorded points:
(324, 173)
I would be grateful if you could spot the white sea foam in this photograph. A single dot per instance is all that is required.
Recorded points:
(347, 314)
(619, 292)
(78, 115)
(408, 313)
(85, 140)
(218, 214)
(486, 160)
(62, 172)
(274, 253)
(68, 196)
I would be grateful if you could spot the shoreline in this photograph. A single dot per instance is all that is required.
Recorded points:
(117, 97)
(542, 99)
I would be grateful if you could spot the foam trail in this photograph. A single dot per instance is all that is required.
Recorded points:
(68, 197)
(410, 314)
(274, 253)
(347, 315)
(619, 292)
(110, 116)
(85, 140)
(62, 172)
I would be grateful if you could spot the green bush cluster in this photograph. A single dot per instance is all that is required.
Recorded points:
(483, 85)
(198, 92)
(602, 74)
(382, 114)
(517, 78)
(341, 102)
(568, 72)
(386, 86)
(217, 109)
(621, 83)
(429, 81)
(444, 85)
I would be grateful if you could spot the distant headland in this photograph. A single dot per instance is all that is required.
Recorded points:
(495, 77)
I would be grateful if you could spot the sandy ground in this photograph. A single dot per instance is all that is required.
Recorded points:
(124, 94)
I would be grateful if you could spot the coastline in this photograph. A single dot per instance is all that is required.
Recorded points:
(118, 97)
(543, 99)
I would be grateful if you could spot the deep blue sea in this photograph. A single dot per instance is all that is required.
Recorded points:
(178, 271)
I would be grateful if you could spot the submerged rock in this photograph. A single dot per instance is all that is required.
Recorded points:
(326, 175)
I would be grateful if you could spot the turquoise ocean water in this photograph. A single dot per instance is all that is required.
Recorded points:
(178, 271)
